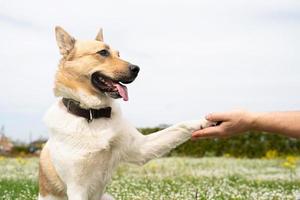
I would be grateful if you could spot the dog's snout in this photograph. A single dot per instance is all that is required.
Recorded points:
(134, 69)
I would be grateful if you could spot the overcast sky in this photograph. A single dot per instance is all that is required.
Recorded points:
(196, 56)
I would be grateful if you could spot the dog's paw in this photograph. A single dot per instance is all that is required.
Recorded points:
(206, 124)
(195, 125)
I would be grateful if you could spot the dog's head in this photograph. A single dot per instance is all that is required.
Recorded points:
(90, 71)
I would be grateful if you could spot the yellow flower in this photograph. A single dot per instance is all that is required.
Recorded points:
(271, 154)
(227, 155)
(290, 162)
(21, 161)
(288, 165)
(291, 159)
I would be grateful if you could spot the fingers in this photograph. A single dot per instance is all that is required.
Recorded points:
(217, 117)
(214, 131)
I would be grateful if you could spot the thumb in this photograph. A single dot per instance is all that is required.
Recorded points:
(217, 117)
(207, 132)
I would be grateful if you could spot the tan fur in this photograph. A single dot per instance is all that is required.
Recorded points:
(76, 67)
(49, 181)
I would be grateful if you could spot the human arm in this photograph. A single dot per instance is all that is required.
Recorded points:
(235, 122)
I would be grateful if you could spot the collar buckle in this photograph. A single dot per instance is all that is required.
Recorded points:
(91, 116)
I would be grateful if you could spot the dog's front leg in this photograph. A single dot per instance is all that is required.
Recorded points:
(157, 144)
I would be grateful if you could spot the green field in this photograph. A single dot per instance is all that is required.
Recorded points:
(174, 178)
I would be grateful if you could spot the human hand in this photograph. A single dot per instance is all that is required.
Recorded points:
(230, 123)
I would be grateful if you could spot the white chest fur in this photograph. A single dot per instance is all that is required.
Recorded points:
(84, 152)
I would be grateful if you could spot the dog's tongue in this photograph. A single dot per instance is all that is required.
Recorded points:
(122, 89)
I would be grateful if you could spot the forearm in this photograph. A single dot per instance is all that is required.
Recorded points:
(286, 123)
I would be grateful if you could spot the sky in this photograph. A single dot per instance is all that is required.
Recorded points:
(196, 56)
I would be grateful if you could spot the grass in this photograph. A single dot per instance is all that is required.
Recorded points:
(173, 179)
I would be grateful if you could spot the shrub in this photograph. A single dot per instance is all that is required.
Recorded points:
(250, 144)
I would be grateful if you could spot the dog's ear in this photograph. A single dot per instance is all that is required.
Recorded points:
(99, 36)
(64, 41)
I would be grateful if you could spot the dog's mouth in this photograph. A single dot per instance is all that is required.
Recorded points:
(109, 86)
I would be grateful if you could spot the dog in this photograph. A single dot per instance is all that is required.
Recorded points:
(89, 137)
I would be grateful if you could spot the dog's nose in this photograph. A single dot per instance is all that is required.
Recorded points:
(134, 69)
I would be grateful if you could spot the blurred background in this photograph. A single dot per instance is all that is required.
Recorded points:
(196, 57)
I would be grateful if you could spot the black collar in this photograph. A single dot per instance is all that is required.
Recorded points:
(89, 114)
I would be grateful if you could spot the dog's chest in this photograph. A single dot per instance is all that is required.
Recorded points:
(86, 166)
(84, 152)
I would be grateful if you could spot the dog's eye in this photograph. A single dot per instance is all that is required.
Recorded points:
(103, 52)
